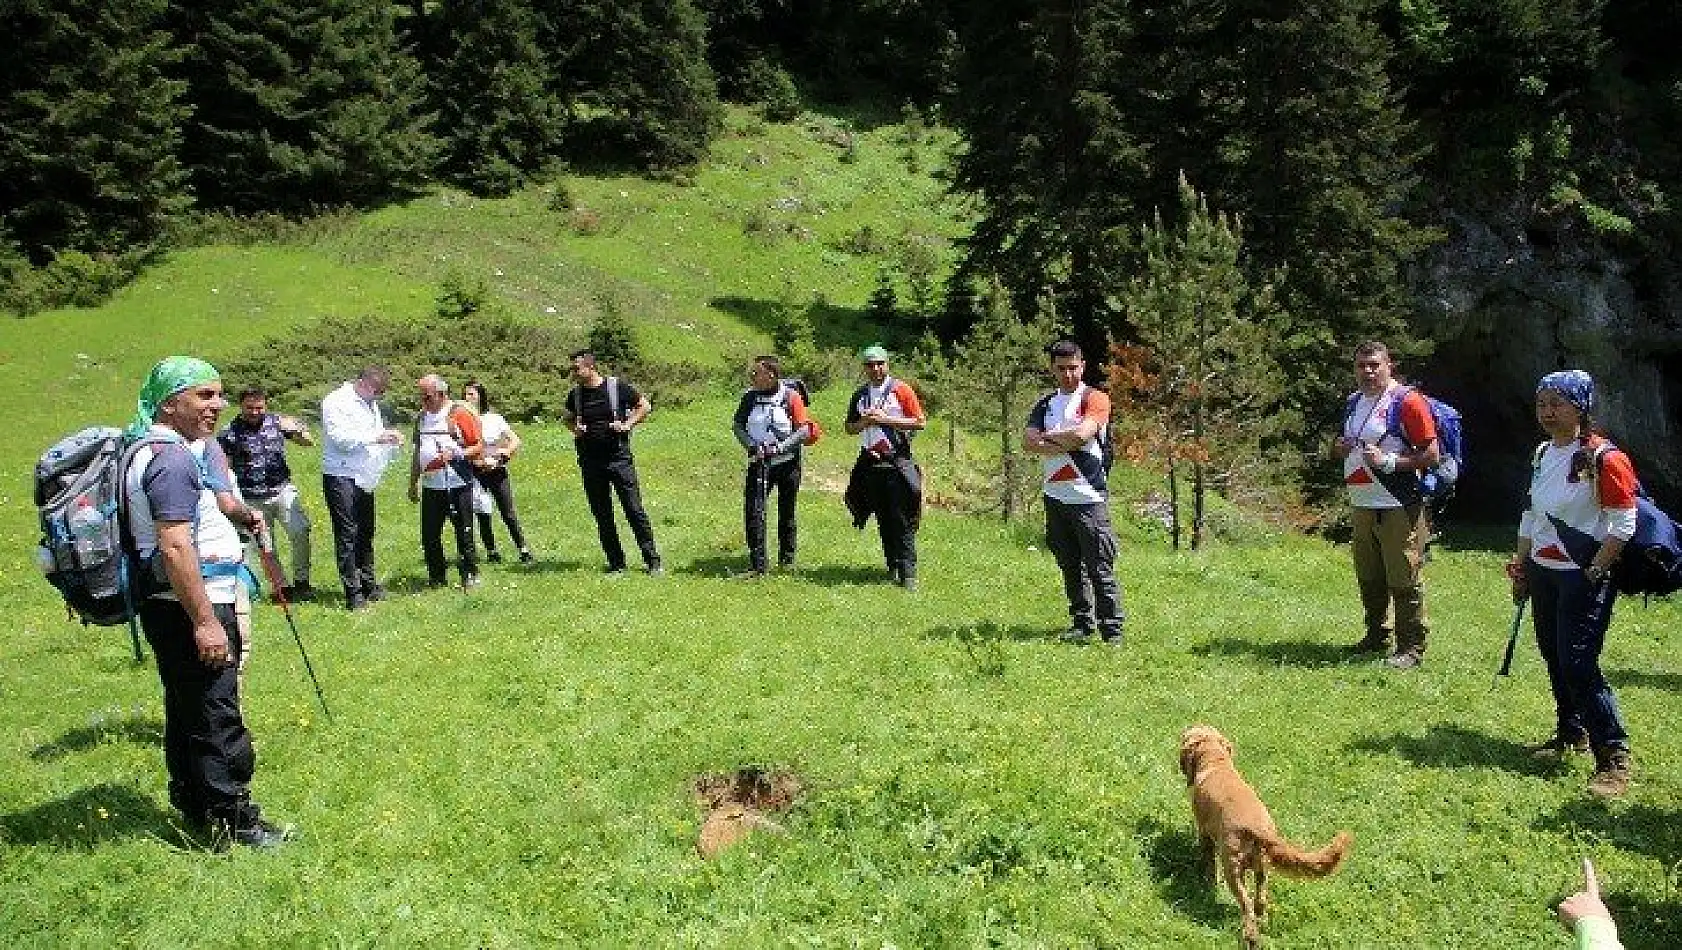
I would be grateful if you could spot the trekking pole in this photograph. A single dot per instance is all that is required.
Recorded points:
(1512, 641)
(271, 568)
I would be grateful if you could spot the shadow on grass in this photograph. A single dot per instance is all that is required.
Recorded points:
(540, 565)
(834, 575)
(1454, 747)
(1643, 923)
(1453, 535)
(988, 630)
(1646, 679)
(1637, 827)
(140, 730)
(721, 565)
(1310, 653)
(91, 817)
(834, 327)
(1183, 874)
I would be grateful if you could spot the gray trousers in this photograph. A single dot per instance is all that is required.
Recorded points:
(1084, 543)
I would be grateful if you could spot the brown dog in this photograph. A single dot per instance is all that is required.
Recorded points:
(1233, 823)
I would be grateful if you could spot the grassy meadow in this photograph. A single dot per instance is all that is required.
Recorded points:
(511, 767)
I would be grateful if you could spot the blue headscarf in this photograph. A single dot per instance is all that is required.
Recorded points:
(1575, 385)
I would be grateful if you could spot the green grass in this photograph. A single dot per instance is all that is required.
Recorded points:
(509, 768)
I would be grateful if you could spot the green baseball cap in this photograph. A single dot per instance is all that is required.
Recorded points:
(872, 353)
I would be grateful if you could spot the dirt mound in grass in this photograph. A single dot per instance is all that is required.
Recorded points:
(739, 802)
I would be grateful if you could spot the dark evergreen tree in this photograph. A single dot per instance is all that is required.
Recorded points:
(1041, 95)
(1320, 160)
(499, 119)
(89, 125)
(301, 104)
(643, 63)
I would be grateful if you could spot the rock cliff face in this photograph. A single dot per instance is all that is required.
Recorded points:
(1511, 302)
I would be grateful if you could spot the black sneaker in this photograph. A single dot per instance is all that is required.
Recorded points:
(494, 557)
(470, 582)
(1076, 634)
(1111, 635)
(374, 592)
(261, 835)
(656, 569)
(526, 556)
(298, 593)
(356, 602)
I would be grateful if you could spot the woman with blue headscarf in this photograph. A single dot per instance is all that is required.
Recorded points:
(1581, 512)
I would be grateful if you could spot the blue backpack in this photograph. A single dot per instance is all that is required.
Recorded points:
(1436, 484)
(1651, 562)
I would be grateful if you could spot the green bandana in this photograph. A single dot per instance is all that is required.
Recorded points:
(172, 375)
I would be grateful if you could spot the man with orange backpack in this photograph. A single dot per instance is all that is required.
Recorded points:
(772, 424)
(447, 440)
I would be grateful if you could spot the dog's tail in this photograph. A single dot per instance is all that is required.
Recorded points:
(1290, 859)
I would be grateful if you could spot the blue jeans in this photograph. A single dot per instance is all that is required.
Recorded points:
(1571, 617)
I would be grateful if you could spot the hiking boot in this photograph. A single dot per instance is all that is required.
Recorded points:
(1077, 633)
(1611, 773)
(298, 593)
(356, 602)
(1559, 746)
(493, 557)
(526, 556)
(470, 582)
(1111, 634)
(260, 835)
(1404, 660)
(374, 592)
(908, 581)
(656, 569)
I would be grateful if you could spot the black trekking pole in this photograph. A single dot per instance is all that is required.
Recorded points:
(1512, 642)
(271, 567)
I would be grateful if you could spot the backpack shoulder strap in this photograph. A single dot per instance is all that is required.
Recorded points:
(1536, 456)
(1042, 406)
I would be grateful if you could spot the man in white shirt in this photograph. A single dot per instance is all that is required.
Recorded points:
(356, 447)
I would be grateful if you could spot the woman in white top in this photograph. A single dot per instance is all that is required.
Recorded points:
(501, 443)
(1582, 510)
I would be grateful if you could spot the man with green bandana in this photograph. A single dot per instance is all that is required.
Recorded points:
(192, 563)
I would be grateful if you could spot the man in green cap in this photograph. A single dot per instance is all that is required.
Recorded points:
(193, 562)
(886, 482)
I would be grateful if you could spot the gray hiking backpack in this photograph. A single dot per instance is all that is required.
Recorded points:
(86, 552)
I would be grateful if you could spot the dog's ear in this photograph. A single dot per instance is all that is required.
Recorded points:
(1188, 762)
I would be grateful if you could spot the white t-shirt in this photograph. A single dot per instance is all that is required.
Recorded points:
(214, 536)
(493, 429)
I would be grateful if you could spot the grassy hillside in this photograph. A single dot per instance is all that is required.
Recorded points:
(510, 768)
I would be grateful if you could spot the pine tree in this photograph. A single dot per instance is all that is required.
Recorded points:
(1042, 94)
(301, 105)
(89, 126)
(1320, 162)
(1215, 388)
(996, 370)
(643, 62)
(499, 118)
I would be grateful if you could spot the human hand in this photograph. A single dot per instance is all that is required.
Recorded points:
(1584, 904)
(619, 425)
(212, 643)
(390, 437)
(259, 524)
(579, 429)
